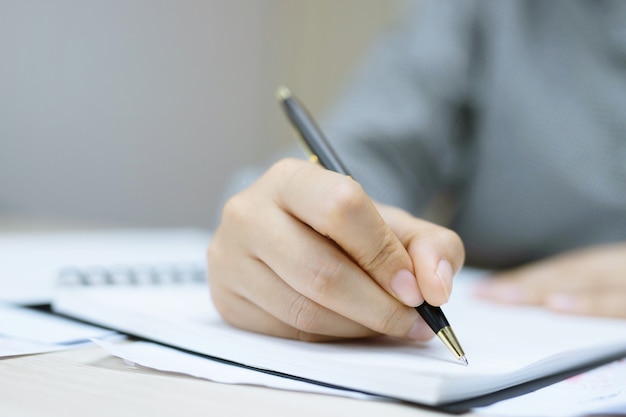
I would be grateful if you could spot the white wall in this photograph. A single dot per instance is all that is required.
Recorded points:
(135, 112)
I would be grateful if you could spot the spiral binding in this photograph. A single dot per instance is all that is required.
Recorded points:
(186, 273)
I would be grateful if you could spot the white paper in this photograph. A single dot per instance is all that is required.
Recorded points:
(155, 356)
(10, 346)
(25, 331)
(27, 324)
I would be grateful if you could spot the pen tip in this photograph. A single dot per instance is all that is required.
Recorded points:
(464, 360)
(283, 93)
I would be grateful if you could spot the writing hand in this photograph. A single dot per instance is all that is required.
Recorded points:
(589, 281)
(304, 253)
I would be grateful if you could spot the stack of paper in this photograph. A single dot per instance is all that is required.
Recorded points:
(24, 331)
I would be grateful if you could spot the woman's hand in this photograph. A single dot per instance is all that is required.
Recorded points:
(304, 253)
(590, 281)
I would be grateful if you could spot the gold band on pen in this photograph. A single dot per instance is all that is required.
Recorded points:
(447, 336)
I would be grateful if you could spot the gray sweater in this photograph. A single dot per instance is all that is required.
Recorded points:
(511, 113)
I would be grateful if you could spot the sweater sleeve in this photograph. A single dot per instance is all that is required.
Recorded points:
(403, 124)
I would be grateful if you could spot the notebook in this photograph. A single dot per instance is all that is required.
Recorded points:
(30, 262)
(506, 346)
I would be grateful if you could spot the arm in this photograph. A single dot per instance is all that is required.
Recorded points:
(400, 124)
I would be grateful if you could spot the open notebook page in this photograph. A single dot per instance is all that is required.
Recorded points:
(504, 345)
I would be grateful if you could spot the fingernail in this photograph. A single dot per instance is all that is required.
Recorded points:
(502, 292)
(483, 288)
(404, 286)
(445, 275)
(509, 293)
(562, 302)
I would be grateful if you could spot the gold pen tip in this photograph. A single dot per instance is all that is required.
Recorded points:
(464, 360)
(283, 93)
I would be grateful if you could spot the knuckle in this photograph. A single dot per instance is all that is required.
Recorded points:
(302, 314)
(343, 200)
(456, 239)
(450, 240)
(323, 276)
(454, 242)
(284, 167)
(389, 321)
(384, 250)
(235, 209)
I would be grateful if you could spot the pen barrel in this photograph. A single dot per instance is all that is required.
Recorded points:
(318, 145)
(312, 135)
(433, 316)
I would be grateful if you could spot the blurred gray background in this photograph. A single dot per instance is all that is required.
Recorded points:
(136, 112)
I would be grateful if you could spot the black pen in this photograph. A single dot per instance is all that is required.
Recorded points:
(321, 152)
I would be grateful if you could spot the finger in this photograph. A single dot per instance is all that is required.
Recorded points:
(599, 303)
(302, 315)
(314, 267)
(250, 285)
(528, 284)
(510, 290)
(533, 283)
(388, 316)
(437, 253)
(241, 313)
(338, 208)
(585, 269)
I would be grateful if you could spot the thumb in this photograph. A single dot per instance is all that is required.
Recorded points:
(437, 253)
